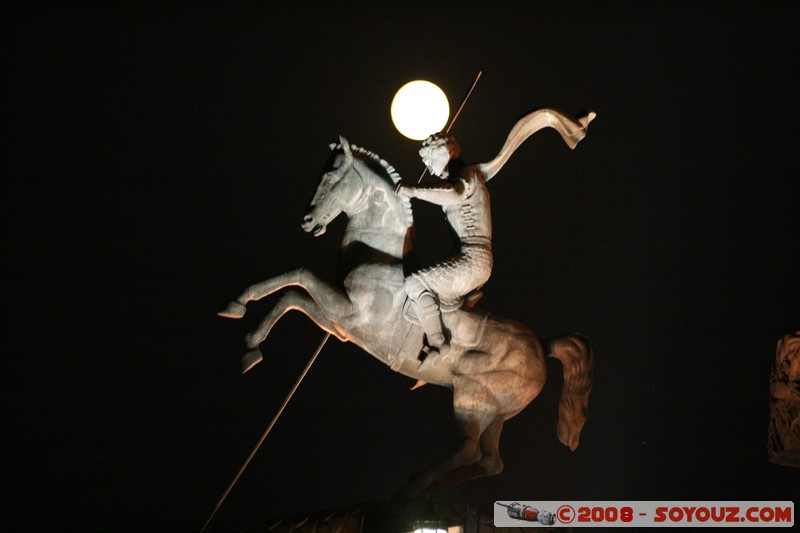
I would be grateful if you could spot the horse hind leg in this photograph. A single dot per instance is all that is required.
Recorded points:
(483, 402)
(290, 301)
(467, 453)
(490, 463)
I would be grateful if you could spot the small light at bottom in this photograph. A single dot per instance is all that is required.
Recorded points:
(434, 526)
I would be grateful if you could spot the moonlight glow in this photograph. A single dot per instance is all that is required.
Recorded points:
(419, 109)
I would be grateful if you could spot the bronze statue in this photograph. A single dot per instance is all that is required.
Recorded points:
(494, 366)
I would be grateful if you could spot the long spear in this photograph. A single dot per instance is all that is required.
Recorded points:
(310, 362)
(269, 428)
(464, 101)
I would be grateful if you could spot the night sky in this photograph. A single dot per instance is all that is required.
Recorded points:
(157, 159)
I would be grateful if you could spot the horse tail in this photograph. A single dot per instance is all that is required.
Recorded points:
(577, 357)
(572, 131)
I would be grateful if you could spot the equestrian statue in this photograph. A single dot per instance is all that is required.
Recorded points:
(424, 324)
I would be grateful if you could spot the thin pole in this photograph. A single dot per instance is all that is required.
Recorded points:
(269, 428)
(464, 101)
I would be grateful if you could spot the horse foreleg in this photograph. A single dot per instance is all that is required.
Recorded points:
(290, 301)
(328, 297)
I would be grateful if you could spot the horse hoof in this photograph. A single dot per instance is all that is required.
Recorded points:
(251, 359)
(234, 310)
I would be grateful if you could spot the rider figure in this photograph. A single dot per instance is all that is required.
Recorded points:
(464, 198)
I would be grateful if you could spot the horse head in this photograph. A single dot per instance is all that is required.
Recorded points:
(359, 184)
(338, 191)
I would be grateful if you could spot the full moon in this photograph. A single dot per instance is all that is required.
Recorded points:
(420, 109)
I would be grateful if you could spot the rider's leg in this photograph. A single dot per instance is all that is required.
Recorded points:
(429, 314)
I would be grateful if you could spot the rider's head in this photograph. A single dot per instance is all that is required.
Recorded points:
(437, 151)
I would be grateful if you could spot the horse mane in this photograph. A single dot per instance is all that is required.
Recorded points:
(389, 172)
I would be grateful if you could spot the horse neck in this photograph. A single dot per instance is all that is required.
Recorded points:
(379, 230)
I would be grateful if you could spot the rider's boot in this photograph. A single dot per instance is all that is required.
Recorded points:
(429, 316)
(431, 320)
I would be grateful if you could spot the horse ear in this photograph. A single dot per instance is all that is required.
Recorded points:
(348, 154)
(345, 146)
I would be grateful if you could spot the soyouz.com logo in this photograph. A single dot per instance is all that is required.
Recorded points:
(644, 514)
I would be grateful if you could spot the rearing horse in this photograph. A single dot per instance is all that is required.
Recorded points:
(495, 367)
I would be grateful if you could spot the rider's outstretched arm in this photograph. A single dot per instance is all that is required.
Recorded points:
(449, 193)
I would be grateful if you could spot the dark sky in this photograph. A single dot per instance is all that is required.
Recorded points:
(157, 159)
